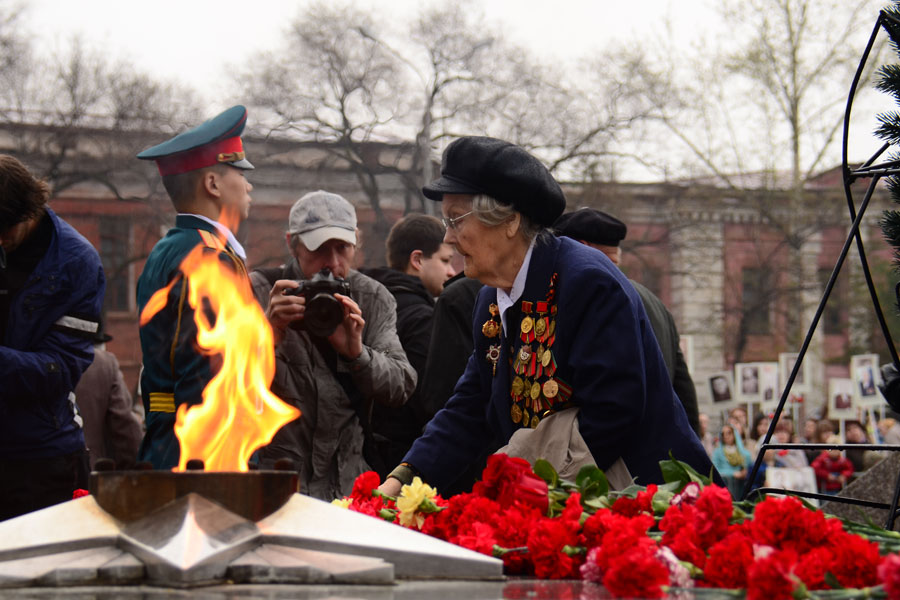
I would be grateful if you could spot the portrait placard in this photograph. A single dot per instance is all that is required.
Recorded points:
(799, 479)
(866, 377)
(721, 389)
(770, 391)
(747, 382)
(841, 401)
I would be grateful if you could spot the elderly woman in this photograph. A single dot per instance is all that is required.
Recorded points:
(557, 325)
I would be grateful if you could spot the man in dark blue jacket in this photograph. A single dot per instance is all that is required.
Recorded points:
(51, 294)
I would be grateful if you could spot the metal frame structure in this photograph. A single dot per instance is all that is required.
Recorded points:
(874, 172)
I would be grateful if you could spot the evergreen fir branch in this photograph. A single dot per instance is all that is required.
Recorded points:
(892, 25)
(889, 127)
(888, 80)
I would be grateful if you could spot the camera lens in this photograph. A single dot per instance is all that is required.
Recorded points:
(324, 313)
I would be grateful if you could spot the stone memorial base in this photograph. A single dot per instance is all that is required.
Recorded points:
(193, 542)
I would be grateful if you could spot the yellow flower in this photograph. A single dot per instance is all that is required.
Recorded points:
(412, 497)
(342, 502)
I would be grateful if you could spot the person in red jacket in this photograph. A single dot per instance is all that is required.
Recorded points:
(833, 469)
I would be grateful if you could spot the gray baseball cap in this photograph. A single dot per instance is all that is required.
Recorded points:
(321, 216)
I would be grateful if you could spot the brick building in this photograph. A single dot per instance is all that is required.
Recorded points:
(727, 264)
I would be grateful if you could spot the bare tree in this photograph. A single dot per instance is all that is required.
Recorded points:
(759, 110)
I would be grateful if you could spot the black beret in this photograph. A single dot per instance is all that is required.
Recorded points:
(503, 171)
(590, 225)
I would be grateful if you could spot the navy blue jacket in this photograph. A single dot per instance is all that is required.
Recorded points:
(605, 351)
(48, 346)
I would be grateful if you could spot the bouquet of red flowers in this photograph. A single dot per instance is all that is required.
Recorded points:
(644, 542)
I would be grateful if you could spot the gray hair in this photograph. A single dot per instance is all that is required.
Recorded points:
(492, 212)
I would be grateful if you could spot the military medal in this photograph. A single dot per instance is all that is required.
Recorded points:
(540, 328)
(490, 328)
(526, 418)
(527, 324)
(493, 355)
(534, 421)
(550, 389)
(546, 357)
(515, 413)
(518, 386)
(535, 391)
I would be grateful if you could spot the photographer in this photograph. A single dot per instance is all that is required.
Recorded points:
(333, 378)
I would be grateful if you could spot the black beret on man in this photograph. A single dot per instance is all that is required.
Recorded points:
(592, 226)
(503, 171)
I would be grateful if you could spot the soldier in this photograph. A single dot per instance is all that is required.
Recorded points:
(203, 172)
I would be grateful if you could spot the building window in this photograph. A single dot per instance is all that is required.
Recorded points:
(115, 248)
(834, 317)
(757, 296)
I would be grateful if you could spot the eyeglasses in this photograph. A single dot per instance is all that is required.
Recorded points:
(448, 223)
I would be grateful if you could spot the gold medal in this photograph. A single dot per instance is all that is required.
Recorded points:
(527, 324)
(535, 389)
(518, 386)
(515, 413)
(524, 354)
(540, 327)
(551, 388)
(490, 328)
(546, 357)
(552, 327)
(526, 418)
(534, 421)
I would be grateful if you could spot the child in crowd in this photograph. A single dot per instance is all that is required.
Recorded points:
(833, 469)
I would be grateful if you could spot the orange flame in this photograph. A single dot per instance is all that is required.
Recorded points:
(238, 414)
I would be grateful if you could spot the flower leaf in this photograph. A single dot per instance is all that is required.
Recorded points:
(832, 581)
(545, 471)
(674, 470)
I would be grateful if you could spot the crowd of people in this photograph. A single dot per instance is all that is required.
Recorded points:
(735, 449)
(410, 369)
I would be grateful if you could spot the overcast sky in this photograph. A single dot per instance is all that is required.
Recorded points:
(194, 40)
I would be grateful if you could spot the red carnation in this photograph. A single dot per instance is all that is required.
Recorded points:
(368, 506)
(685, 546)
(715, 509)
(364, 485)
(80, 493)
(545, 544)
(510, 479)
(770, 578)
(728, 561)
(855, 560)
(889, 576)
(785, 523)
(637, 573)
(479, 537)
(642, 503)
(512, 528)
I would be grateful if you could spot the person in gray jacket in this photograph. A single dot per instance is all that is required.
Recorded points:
(604, 232)
(334, 375)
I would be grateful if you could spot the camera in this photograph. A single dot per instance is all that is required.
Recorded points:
(324, 312)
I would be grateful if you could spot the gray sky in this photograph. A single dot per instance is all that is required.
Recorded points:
(194, 40)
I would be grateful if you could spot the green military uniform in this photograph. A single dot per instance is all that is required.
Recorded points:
(175, 372)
